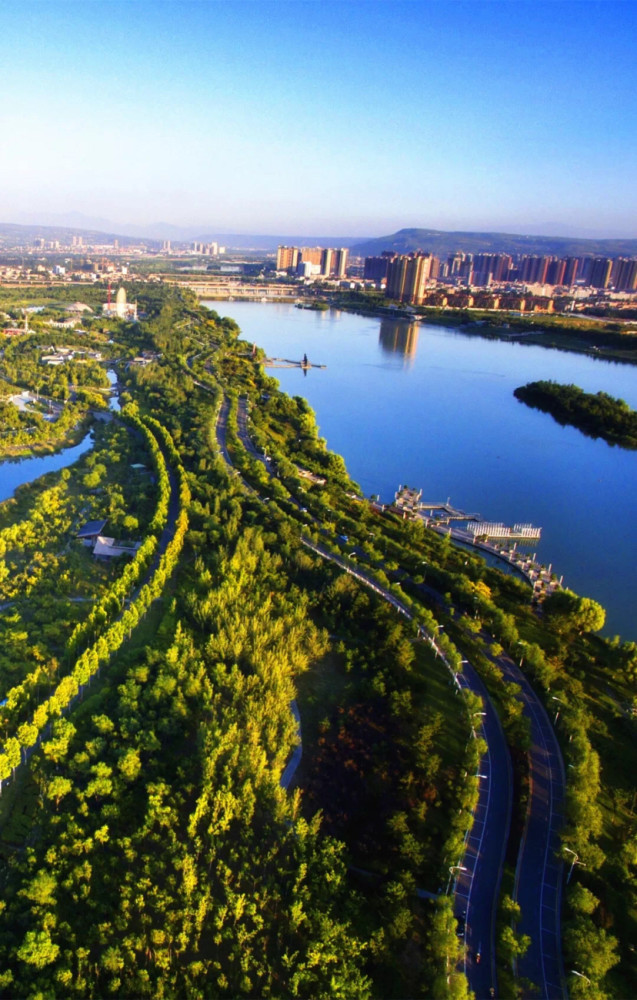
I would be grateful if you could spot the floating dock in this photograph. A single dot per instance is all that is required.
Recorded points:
(490, 529)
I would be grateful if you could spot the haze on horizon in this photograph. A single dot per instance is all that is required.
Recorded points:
(344, 117)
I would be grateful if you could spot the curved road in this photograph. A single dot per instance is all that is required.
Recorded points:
(477, 888)
(539, 871)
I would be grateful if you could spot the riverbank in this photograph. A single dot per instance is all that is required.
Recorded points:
(428, 404)
(557, 332)
(40, 449)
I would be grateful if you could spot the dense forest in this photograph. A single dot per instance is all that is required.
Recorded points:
(595, 414)
(150, 845)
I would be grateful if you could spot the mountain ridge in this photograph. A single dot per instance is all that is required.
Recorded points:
(442, 242)
(437, 241)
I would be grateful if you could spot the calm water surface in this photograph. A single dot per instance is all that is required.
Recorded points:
(25, 470)
(14, 473)
(434, 408)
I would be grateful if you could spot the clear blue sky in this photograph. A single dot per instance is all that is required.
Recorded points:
(348, 118)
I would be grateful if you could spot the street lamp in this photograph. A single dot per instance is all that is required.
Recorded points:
(576, 861)
(581, 975)
(452, 869)
(557, 714)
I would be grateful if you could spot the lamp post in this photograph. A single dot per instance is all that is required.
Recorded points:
(581, 975)
(557, 714)
(576, 861)
(452, 869)
(473, 731)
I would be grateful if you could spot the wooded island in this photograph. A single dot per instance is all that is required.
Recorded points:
(594, 414)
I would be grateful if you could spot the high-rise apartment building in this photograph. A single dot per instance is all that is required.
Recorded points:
(533, 269)
(376, 267)
(407, 275)
(571, 270)
(600, 272)
(331, 261)
(488, 267)
(624, 274)
(340, 259)
(556, 271)
(311, 255)
(287, 258)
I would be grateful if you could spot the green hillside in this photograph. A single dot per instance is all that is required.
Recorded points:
(442, 243)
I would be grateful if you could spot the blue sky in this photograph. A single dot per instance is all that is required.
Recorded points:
(349, 118)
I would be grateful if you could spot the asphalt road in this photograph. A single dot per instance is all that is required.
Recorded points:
(478, 887)
(540, 871)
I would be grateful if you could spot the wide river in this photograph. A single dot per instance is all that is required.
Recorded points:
(433, 407)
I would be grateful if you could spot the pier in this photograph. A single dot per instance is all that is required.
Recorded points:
(479, 534)
(539, 576)
(448, 513)
(409, 500)
(287, 363)
(489, 529)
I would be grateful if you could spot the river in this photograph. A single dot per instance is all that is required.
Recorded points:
(16, 472)
(433, 407)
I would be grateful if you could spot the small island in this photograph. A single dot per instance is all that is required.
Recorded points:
(594, 414)
(317, 305)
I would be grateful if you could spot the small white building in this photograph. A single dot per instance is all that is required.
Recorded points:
(108, 548)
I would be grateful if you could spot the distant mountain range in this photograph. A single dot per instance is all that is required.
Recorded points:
(13, 234)
(99, 230)
(436, 241)
(443, 243)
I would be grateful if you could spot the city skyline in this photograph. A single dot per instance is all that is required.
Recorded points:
(348, 117)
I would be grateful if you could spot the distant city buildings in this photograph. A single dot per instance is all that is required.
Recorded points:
(406, 276)
(486, 279)
(207, 249)
(326, 262)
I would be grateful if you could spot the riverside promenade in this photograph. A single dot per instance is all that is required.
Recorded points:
(539, 576)
(409, 505)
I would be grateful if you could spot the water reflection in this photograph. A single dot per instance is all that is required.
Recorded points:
(113, 402)
(14, 473)
(445, 419)
(399, 336)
